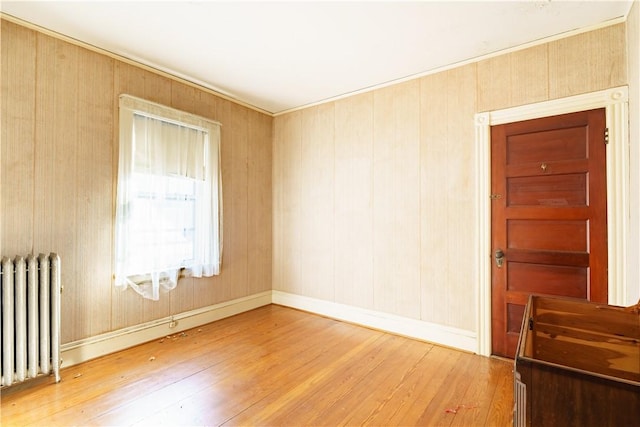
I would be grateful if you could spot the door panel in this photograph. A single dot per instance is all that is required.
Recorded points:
(542, 146)
(548, 216)
(543, 234)
(547, 279)
(555, 190)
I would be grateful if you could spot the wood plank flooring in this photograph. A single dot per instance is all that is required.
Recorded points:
(273, 366)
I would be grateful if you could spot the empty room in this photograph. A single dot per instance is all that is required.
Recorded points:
(321, 213)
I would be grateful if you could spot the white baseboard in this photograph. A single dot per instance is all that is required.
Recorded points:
(100, 345)
(83, 350)
(431, 332)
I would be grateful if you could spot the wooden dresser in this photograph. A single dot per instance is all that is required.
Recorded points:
(577, 364)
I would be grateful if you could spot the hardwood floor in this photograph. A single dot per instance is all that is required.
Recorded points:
(274, 366)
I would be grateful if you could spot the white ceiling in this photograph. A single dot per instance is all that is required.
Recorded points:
(281, 55)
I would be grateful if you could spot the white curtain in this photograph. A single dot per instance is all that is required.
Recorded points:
(169, 197)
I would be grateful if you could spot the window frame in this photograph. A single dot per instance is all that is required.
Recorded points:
(129, 107)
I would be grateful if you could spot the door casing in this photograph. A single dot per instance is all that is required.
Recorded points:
(615, 102)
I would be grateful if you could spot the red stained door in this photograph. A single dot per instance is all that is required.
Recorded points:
(548, 216)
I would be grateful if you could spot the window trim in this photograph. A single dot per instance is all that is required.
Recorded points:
(164, 113)
(131, 106)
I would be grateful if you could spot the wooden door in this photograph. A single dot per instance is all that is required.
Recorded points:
(548, 216)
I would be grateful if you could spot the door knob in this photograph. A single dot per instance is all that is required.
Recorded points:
(499, 257)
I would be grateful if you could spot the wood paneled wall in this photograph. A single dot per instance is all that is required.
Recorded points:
(374, 194)
(57, 190)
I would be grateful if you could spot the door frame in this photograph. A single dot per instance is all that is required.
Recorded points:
(615, 103)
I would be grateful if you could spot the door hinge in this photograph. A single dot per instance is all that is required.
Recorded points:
(606, 135)
(495, 196)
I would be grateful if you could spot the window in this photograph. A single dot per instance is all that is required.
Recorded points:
(169, 197)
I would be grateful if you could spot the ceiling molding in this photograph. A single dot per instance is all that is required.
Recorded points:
(545, 40)
(185, 79)
(131, 61)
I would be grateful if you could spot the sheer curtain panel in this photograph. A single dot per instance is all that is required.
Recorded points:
(169, 197)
